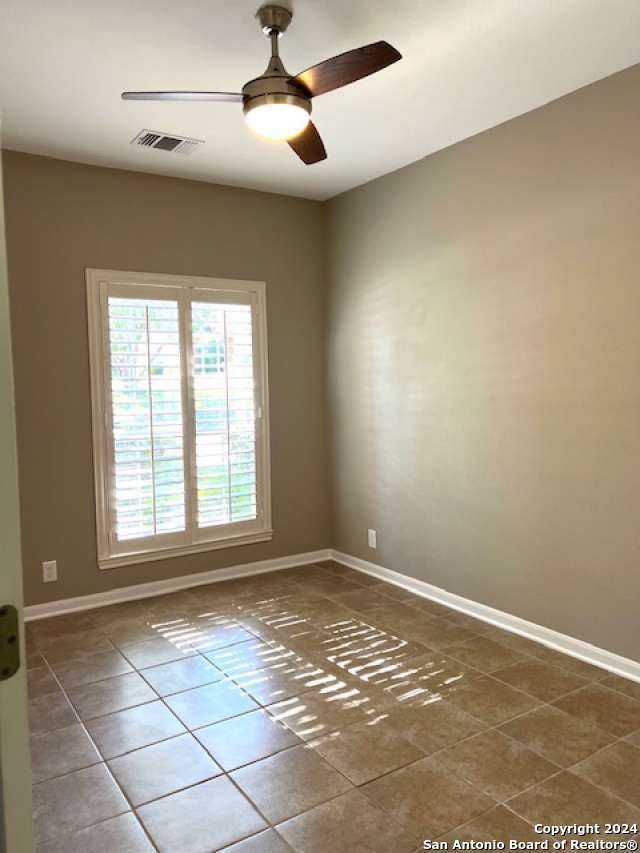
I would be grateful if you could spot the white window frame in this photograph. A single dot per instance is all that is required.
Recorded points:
(100, 284)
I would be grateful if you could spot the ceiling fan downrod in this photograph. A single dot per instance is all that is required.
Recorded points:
(274, 21)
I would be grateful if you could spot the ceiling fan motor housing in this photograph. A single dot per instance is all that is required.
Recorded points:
(273, 90)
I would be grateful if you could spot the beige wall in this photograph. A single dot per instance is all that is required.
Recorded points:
(63, 217)
(483, 352)
(484, 377)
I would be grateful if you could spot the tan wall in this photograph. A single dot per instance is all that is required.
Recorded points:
(484, 370)
(484, 359)
(63, 217)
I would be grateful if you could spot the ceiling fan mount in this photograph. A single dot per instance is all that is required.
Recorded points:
(274, 18)
(278, 105)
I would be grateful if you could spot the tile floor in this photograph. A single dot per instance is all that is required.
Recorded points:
(314, 709)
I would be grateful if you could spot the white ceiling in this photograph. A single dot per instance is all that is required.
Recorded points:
(468, 65)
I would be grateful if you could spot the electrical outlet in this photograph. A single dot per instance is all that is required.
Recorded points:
(371, 539)
(49, 571)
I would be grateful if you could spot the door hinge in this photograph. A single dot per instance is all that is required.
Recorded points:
(9, 642)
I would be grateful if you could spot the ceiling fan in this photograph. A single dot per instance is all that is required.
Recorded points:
(277, 105)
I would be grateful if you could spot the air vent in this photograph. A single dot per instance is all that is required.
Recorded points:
(166, 141)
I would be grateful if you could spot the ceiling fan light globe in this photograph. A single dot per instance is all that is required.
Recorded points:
(277, 119)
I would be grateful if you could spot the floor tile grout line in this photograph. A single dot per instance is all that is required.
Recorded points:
(568, 768)
(260, 638)
(99, 681)
(358, 615)
(228, 774)
(338, 572)
(525, 657)
(135, 809)
(108, 770)
(495, 728)
(363, 721)
(141, 672)
(269, 828)
(303, 744)
(471, 820)
(192, 733)
(492, 626)
(406, 826)
(559, 773)
(188, 731)
(248, 763)
(356, 786)
(595, 784)
(99, 823)
(308, 744)
(135, 669)
(494, 804)
(290, 817)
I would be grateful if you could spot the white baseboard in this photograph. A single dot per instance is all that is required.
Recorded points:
(554, 639)
(146, 590)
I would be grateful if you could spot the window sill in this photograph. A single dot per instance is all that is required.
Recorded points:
(197, 548)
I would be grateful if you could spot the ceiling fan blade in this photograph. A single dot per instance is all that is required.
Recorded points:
(308, 145)
(347, 68)
(182, 96)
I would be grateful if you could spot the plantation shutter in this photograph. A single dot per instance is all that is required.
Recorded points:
(147, 417)
(223, 393)
(179, 426)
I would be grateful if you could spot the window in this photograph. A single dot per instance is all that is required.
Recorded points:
(180, 414)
